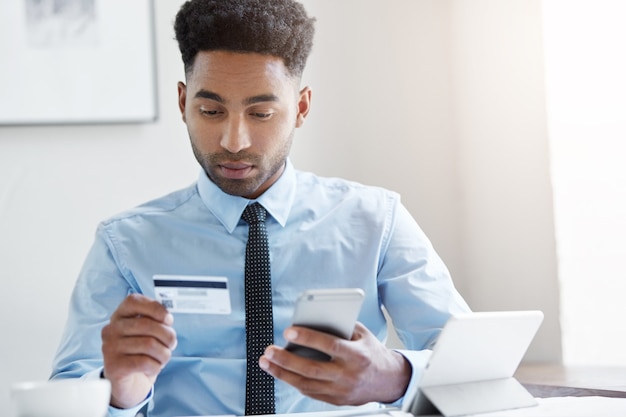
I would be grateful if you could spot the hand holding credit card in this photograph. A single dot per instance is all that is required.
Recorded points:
(193, 294)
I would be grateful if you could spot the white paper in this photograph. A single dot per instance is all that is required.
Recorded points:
(568, 407)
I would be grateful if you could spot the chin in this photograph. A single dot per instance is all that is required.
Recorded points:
(237, 188)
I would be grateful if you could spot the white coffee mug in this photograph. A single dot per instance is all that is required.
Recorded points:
(62, 398)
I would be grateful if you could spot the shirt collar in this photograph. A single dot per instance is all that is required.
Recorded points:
(277, 200)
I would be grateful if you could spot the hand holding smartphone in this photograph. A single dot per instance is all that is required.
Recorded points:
(331, 310)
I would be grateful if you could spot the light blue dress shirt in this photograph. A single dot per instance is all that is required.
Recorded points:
(323, 233)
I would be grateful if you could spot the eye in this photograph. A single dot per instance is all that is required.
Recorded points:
(210, 112)
(261, 115)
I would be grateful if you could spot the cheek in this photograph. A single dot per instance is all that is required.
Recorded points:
(275, 140)
(283, 129)
(203, 137)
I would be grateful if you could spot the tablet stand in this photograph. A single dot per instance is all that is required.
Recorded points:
(471, 398)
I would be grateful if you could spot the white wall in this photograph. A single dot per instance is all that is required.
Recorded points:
(507, 238)
(445, 103)
(586, 93)
(381, 114)
(56, 184)
(440, 100)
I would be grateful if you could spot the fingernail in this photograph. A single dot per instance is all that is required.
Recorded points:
(263, 363)
(291, 335)
(169, 319)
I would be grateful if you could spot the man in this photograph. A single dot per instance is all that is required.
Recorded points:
(242, 102)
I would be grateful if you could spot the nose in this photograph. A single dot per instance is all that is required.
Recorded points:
(236, 136)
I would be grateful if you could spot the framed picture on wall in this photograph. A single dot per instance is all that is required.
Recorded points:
(77, 61)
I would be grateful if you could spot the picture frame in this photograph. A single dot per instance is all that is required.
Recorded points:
(77, 62)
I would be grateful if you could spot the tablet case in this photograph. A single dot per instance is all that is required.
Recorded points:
(472, 365)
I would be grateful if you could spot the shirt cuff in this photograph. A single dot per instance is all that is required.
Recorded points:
(418, 360)
(128, 412)
(119, 412)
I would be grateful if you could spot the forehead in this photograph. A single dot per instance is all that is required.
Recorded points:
(231, 73)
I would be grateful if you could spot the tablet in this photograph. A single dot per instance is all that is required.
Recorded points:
(472, 364)
(481, 346)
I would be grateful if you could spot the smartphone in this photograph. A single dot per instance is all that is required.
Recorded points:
(330, 310)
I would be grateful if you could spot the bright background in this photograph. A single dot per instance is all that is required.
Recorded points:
(501, 123)
(586, 96)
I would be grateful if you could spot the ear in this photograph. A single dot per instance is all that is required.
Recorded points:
(304, 105)
(182, 99)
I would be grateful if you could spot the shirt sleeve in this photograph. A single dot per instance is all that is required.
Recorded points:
(130, 412)
(118, 412)
(415, 288)
(98, 291)
(418, 360)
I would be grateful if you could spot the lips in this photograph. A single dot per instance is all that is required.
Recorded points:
(235, 170)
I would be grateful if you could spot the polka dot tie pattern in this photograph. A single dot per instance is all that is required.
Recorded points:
(259, 316)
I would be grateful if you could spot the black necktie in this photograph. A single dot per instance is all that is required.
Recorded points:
(259, 321)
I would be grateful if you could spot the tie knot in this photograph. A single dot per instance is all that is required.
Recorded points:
(254, 213)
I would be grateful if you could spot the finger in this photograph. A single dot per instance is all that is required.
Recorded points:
(146, 326)
(127, 365)
(131, 355)
(139, 346)
(289, 368)
(359, 331)
(140, 326)
(312, 379)
(327, 343)
(140, 305)
(285, 364)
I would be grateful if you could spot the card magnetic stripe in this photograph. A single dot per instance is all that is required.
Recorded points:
(190, 284)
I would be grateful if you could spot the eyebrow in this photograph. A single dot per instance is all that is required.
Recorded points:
(209, 95)
(260, 99)
(250, 100)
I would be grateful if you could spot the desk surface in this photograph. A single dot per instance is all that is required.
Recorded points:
(544, 380)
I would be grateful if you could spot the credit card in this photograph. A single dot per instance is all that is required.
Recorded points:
(193, 294)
